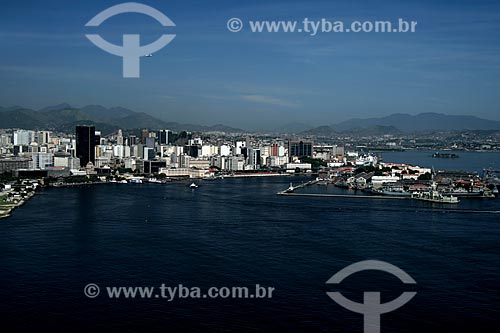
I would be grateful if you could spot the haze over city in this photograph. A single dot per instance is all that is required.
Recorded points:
(209, 75)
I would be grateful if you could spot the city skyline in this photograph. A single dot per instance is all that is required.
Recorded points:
(209, 75)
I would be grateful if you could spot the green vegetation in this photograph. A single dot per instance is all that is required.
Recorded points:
(6, 177)
(4, 204)
(73, 179)
(426, 176)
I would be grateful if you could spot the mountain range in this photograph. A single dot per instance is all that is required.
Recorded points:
(64, 118)
(404, 123)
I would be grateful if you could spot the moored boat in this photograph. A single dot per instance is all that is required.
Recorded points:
(435, 196)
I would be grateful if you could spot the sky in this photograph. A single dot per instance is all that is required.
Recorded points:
(209, 75)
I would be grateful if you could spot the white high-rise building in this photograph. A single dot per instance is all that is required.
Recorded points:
(23, 137)
(119, 138)
(42, 160)
(224, 150)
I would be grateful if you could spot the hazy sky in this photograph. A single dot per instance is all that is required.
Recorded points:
(209, 75)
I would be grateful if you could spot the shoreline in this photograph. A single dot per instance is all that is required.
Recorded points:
(13, 206)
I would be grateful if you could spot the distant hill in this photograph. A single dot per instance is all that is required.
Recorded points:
(292, 128)
(64, 118)
(327, 131)
(320, 131)
(422, 122)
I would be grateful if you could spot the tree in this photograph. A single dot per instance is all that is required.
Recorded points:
(426, 176)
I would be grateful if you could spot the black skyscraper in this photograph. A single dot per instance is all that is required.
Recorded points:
(85, 144)
(163, 137)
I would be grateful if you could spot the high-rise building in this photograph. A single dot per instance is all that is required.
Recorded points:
(274, 149)
(132, 140)
(144, 135)
(300, 148)
(150, 142)
(41, 160)
(163, 137)
(43, 137)
(254, 158)
(85, 144)
(97, 138)
(23, 137)
(119, 137)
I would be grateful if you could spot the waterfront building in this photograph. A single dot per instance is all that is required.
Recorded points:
(11, 164)
(254, 158)
(151, 166)
(85, 144)
(199, 163)
(300, 149)
(379, 181)
(42, 160)
(235, 163)
(303, 167)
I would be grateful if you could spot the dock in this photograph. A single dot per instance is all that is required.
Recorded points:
(353, 196)
(291, 192)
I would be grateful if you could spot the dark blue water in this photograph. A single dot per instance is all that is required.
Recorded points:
(237, 232)
(467, 160)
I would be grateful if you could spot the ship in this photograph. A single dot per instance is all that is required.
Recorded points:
(462, 192)
(434, 196)
(135, 180)
(444, 155)
(394, 193)
(394, 190)
(366, 160)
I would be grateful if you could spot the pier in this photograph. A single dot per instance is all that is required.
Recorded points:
(291, 192)
(353, 196)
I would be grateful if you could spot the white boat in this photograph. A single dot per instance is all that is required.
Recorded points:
(193, 186)
(366, 160)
